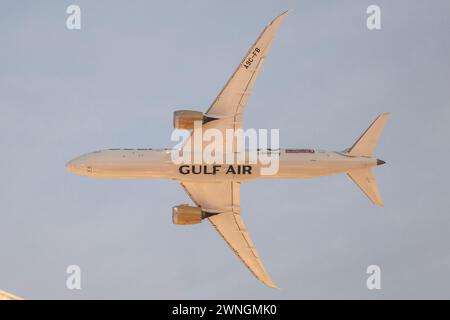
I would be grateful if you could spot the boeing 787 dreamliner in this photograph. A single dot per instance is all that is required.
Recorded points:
(215, 187)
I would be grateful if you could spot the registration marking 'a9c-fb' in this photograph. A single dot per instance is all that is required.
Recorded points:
(251, 57)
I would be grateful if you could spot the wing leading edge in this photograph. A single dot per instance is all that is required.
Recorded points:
(224, 197)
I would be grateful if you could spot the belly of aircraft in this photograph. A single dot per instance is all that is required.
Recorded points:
(160, 166)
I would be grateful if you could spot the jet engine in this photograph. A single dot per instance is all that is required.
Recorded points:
(184, 119)
(185, 214)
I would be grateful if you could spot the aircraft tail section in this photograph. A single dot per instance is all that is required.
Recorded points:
(366, 144)
(365, 180)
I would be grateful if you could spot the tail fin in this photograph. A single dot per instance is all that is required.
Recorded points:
(365, 180)
(365, 145)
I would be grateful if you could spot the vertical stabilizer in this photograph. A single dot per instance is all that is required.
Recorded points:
(366, 144)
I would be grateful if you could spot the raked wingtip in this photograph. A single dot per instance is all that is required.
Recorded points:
(280, 16)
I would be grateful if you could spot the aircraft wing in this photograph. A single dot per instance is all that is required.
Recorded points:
(224, 197)
(7, 296)
(233, 97)
(228, 107)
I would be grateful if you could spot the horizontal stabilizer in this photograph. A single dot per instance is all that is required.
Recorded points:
(368, 141)
(365, 180)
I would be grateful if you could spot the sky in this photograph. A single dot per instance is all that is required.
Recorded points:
(116, 83)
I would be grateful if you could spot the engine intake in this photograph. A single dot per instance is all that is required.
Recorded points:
(184, 119)
(185, 214)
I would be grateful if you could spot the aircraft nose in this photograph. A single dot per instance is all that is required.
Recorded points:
(75, 166)
(71, 166)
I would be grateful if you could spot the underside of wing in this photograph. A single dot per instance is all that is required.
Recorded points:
(224, 197)
(8, 296)
(226, 111)
(232, 228)
(233, 97)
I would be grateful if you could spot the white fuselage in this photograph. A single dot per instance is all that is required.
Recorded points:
(158, 164)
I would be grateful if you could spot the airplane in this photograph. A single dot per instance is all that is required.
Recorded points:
(215, 193)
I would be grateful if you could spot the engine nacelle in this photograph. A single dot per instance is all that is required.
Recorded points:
(184, 119)
(185, 214)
